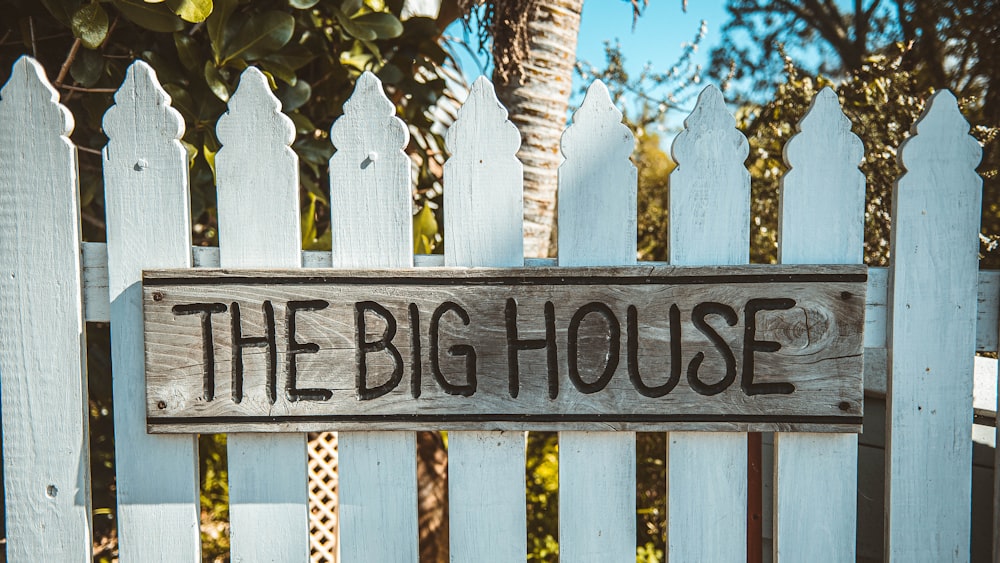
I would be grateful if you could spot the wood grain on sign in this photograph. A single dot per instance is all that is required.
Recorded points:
(761, 347)
(709, 225)
(483, 219)
(370, 217)
(597, 227)
(822, 220)
(258, 193)
(932, 312)
(149, 226)
(42, 345)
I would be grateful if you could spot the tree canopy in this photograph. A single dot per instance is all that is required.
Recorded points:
(311, 51)
(887, 56)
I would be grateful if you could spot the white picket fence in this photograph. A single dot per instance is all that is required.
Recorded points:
(923, 311)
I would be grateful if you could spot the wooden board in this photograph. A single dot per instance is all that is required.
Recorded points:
(505, 348)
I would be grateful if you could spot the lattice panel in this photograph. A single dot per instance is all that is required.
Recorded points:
(323, 516)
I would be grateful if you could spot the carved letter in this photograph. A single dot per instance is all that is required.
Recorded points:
(751, 345)
(292, 393)
(240, 342)
(614, 346)
(205, 310)
(415, 367)
(515, 345)
(698, 315)
(633, 354)
(384, 343)
(457, 350)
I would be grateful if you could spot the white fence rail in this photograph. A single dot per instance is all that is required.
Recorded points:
(931, 310)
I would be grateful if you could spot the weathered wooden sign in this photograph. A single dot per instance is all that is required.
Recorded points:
(642, 348)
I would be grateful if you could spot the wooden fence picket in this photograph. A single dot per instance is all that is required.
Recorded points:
(148, 220)
(597, 227)
(370, 207)
(996, 474)
(709, 225)
(482, 214)
(932, 338)
(46, 448)
(259, 226)
(821, 222)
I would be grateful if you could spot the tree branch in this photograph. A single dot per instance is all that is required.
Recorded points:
(64, 70)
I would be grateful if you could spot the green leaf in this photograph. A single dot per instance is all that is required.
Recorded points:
(308, 223)
(216, 83)
(302, 4)
(87, 68)
(192, 152)
(293, 97)
(303, 126)
(358, 61)
(280, 71)
(293, 57)
(90, 25)
(425, 227)
(219, 30)
(187, 51)
(383, 25)
(154, 17)
(193, 11)
(350, 6)
(182, 101)
(262, 35)
(353, 29)
(270, 79)
(314, 151)
(209, 148)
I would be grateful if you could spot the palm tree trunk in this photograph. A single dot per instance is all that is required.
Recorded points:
(538, 97)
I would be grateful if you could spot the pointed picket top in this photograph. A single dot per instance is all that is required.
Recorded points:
(370, 182)
(142, 107)
(709, 123)
(256, 164)
(597, 185)
(369, 123)
(823, 193)
(710, 188)
(940, 137)
(484, 180)
(482, 109)
(29, 100)
(253, 107)
(598, 117)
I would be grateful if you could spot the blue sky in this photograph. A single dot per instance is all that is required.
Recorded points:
(657, 39)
